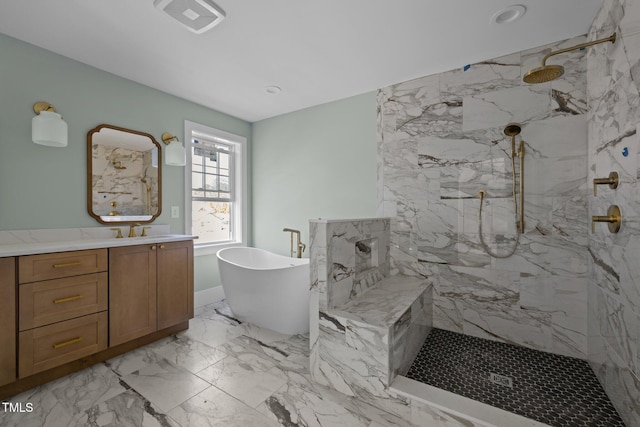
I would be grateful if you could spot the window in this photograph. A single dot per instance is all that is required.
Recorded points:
(215, 179)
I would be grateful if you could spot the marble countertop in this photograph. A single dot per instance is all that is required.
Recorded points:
(30, 242)
(386, 302)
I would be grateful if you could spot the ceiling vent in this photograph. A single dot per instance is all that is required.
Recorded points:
(197, 15)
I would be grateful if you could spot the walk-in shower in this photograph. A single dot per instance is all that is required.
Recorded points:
(512, 130)
(556, 390)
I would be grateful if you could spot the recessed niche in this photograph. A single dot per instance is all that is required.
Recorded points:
(366, 254)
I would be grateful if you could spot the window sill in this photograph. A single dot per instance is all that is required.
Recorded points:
(213, 248)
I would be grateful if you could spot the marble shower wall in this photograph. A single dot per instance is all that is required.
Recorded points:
(347, 258)
(337, 252)
(613, 76)
(440, 141)
(365, 327)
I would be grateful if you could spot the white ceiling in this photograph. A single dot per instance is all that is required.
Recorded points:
(315, 50)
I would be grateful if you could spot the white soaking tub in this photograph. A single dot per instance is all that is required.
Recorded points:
(266, 289)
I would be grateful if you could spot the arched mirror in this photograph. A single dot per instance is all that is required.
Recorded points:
(124, 175)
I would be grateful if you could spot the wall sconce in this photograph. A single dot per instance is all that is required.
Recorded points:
(48, 128)
(174, 153)
(154, 157)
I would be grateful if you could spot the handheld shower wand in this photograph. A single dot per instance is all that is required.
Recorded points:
(511, 130)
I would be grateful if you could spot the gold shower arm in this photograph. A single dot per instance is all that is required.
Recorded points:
(611, 38)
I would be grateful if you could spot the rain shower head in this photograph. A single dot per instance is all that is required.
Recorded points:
(547, 73)
(544, 74)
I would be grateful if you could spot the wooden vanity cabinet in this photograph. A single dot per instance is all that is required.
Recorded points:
(62, 308)
(61, 312)
(175, 283)
(132, 292)
(150, 288)
(7, 320)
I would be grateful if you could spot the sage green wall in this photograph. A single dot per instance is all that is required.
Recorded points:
(319, 162)
(44, 187)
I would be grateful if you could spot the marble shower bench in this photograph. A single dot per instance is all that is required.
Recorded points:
(396, 311)
(366, 326)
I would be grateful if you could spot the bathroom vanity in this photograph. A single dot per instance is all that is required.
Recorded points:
(68, 304)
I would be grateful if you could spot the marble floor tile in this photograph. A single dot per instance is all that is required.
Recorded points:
(212, 332)
(248, 377)
(179, 350)
(58, 402)
(165, 385)
(128, 409)
(189, 354)
(213, 407)
(220, 372)
(302, 402)
(47, 412)
(220, 311)
(135, 360)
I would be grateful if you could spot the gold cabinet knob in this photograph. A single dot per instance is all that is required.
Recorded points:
(153, 247)
(161, 246)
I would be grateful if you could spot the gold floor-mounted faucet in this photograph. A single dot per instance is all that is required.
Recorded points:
(300, 247)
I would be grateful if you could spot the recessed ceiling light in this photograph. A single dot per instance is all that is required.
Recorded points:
(273, 89)
(509, 14)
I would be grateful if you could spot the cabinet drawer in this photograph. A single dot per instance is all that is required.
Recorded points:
(34, 268)
(50, 346)
(43, 303)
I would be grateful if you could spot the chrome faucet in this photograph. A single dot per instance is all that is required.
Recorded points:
(300, 247)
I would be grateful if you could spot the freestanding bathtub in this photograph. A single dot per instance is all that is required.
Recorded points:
(266, 289)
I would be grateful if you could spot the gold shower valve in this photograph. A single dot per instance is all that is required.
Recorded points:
(612, 180)
(613, 217)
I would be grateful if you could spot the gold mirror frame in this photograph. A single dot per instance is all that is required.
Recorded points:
(124, 197)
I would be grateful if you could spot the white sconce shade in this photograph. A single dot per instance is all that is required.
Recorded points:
(174, 152)
(154, 157)
(48, 128)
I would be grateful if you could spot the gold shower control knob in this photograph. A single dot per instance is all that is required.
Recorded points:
(612, 180)
(613, 217)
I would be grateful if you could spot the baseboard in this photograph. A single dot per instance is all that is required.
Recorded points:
(208, 296)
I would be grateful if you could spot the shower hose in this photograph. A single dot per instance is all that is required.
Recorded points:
(481, 194)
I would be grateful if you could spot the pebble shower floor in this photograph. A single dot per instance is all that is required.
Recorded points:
(557, 390)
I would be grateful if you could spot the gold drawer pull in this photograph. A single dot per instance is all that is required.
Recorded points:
(67, 299)
(66, 343)
(67, 264)
(161, 246)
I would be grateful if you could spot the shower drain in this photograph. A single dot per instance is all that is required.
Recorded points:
(501, 380)
(557, 390)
